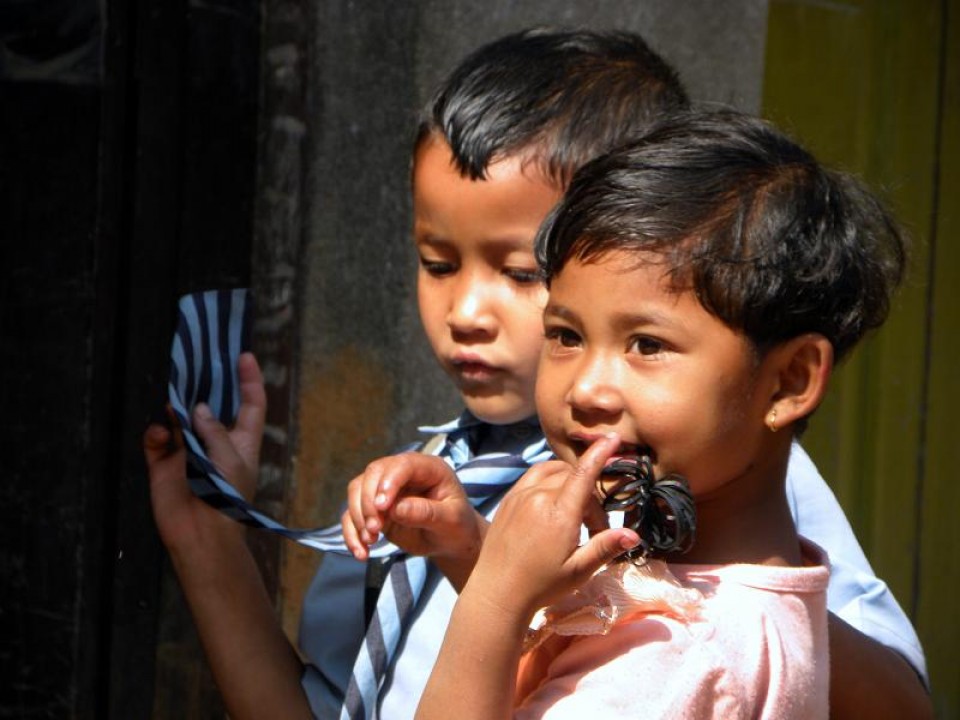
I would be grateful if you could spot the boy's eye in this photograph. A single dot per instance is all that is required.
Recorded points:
(522, 276)
(646, 345)
(437, 268)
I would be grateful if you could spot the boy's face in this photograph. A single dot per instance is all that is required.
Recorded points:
(480, 300)
(623, 353)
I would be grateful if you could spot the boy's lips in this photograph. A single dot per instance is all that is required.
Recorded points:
(472, 367)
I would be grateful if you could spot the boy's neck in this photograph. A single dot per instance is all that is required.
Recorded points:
(513, 437)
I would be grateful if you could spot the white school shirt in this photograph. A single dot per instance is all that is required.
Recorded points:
(855, 594)
(332, 622)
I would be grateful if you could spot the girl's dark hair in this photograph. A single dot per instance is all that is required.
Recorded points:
(772, 244)
(557, 97)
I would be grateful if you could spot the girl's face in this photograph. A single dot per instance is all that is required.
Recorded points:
(626, 354)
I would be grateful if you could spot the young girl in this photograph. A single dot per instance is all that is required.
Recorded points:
(702, 284)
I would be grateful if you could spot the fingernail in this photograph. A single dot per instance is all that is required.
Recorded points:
(202, 411)
(380, 499)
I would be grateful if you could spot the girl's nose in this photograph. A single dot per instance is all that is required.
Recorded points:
(596, 387)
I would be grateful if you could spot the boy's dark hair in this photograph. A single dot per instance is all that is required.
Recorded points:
(772, 244)
(558, 97)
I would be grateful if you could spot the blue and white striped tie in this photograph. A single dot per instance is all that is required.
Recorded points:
(210, 335)
(485, 478)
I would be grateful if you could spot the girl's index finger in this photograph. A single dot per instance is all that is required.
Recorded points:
(581, 483)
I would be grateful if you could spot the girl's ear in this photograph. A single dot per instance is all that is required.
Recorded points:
(802, 365)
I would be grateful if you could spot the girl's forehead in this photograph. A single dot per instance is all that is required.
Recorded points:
(620, 261)
(615, 278)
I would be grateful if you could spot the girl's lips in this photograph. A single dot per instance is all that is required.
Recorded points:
(588, 439)
(581, 441)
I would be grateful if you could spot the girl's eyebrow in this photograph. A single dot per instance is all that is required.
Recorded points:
(622, 321)
(647, 318)
(559, 311)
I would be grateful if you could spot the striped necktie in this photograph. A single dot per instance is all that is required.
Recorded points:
(211, 333)
(485, 478)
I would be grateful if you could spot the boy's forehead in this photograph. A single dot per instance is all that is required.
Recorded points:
(506, 208)
(435, 151)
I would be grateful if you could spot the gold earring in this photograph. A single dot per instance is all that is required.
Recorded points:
(772, 420)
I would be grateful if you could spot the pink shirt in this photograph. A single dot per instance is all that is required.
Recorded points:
(755, 646)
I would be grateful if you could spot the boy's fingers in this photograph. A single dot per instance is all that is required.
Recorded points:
(160, 440)
(418, 512)
(370, 483)
(399, 474)
(156, 443)
(253, 401)
(351, 538)
(211, 431)
(161, 443)
(413, 475)
(355, 510)
(251, 380)
(167, 467)
(416, 473)
(221, 449)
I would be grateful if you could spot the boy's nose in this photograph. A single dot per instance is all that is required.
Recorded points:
(470, 308)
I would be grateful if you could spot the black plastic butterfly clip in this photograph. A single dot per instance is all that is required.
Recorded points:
(661, 512)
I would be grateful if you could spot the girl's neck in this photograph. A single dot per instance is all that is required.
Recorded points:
(748, 521)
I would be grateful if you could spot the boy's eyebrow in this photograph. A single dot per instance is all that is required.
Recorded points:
(508, 242)
(427, 238)
(499, 242)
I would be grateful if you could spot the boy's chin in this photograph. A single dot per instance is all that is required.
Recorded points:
(498, 412)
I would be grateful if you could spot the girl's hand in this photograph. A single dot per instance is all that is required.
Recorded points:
(417, 501)
(531, 555)
(183, 520)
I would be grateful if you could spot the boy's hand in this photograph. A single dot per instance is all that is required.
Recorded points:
(182, 519)
(417, 501)
(532, 554)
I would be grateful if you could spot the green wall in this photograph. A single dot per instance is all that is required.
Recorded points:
(874, 88)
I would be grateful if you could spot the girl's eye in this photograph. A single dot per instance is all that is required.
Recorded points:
(436, 268)
(522, 276)
(647, 346)
(563, 337)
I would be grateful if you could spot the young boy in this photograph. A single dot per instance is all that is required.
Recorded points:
(501, 140)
